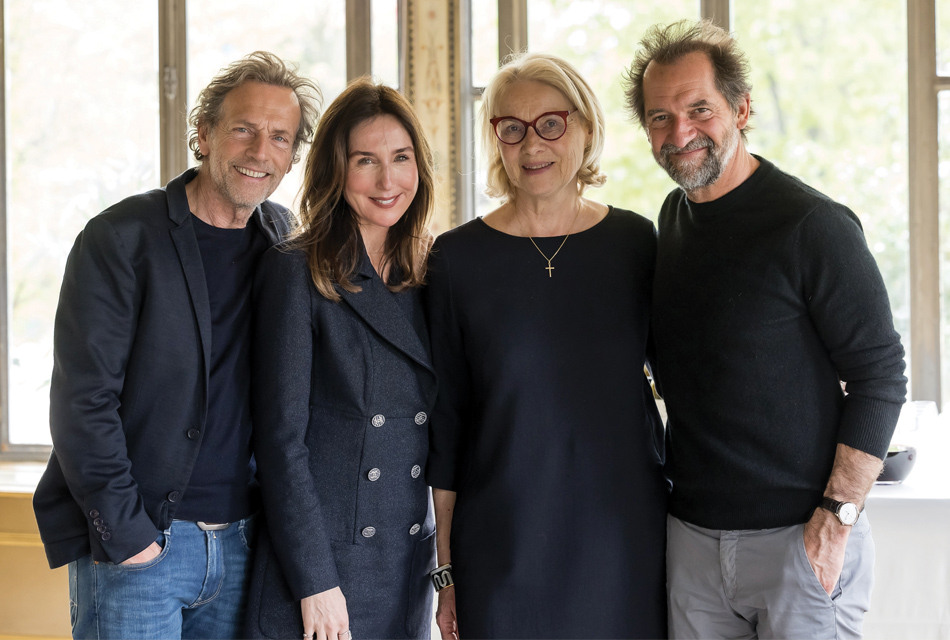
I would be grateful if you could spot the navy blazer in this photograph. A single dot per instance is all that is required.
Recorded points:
(128, 395)
(340, 403)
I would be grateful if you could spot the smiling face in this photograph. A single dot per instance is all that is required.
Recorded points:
(536, 167)
(381, 176)
(250, 149)
(694, 132)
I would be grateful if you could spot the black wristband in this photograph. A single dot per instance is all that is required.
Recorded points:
(442, 577)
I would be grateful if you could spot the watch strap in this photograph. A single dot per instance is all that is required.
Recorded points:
(834, 506)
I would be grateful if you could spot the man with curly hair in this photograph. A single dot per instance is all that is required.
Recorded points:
(766, 300)
(149, 496)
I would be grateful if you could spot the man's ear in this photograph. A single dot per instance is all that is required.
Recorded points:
(745, 109)
(204, 146)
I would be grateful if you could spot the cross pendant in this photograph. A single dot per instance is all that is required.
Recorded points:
(550, 270)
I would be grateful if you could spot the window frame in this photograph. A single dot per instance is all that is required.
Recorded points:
(173, 151)
(924, 83)
(5, 309)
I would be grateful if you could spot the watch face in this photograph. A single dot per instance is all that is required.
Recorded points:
(848, 513)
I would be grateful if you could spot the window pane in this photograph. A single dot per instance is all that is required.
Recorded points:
(831, 109)
(384, 15)
(310, 34)
(943, 37)
(82, 133)
(943, 169)
(484, 40)
(600, 37)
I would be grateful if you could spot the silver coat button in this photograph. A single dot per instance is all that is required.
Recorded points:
(421, 417)
(373, 474)
(369, 532)
(416, 471)
(414, 529)
(379, 420)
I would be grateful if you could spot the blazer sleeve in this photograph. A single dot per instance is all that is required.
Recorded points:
(93, 333)
(449, 420)
(280, 402)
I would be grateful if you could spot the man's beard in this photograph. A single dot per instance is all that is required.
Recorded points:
(690, 176)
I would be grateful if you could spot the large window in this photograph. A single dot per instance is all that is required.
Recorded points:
(484, 45)
(831, 91)
(943, 37)
(386, 61)
(943, 172)
(74, 145)
(831, 109)
(83, 131)
(943, 177)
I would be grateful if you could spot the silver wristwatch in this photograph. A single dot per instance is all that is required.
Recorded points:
(846, 512)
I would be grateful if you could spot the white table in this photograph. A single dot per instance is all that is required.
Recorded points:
(911, 528)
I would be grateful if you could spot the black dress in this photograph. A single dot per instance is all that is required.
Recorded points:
(546, 429)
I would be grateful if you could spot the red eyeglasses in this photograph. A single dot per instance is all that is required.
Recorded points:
(550, 126)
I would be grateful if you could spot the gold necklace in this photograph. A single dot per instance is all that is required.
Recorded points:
(549, 268)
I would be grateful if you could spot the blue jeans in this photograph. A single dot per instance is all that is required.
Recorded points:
(195, 588)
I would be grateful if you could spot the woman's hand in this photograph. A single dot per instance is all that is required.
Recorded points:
(445, 614)
(444, 502)
(324, 615)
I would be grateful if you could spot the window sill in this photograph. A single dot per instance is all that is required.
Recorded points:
(19, 478)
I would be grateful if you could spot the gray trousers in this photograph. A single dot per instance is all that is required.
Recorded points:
(759, 584)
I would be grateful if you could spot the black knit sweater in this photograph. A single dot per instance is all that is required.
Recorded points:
(763, 300)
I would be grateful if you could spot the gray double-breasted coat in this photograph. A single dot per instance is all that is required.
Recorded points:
(342, 393)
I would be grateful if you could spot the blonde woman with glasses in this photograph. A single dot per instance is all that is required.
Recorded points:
(545, 446)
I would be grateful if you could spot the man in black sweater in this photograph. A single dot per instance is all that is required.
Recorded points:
(766, 300)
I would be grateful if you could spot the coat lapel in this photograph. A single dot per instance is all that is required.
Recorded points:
(376, 306)
(183, 235)
(271, 219)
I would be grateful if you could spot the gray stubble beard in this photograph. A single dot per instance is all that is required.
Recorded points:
(689, 177)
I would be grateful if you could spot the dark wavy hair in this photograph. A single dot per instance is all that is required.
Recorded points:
(668, 44)
(329, 231)
(266, 68)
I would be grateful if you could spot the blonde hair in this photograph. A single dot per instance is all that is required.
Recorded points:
(561, 75)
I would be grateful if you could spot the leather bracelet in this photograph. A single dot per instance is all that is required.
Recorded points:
(442, 577)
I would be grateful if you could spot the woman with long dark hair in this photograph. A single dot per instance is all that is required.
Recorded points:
(343, 386)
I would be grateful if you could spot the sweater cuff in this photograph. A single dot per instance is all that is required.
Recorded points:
(867, 424)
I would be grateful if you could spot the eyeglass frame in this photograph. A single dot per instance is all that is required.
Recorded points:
(564, 114)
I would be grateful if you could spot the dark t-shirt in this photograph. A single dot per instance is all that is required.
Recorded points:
(219, 488)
